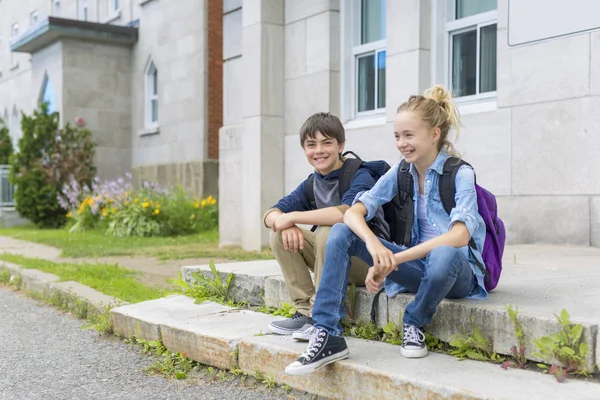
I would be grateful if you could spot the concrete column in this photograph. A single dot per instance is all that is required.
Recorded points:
(408, 45)
(262, 115)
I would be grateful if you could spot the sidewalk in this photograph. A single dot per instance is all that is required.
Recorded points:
(154, 272)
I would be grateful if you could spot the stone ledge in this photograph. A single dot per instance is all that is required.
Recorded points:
(249, 281)
(208, 333)
(377, 369)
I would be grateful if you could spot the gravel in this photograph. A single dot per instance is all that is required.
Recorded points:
(46, 355)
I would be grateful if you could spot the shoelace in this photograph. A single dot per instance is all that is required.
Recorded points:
(413, 334)
(314, 344)
(311, 330)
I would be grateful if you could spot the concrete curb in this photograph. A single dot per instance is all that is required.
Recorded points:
(47, 284)
(226, 337)
(452, 317)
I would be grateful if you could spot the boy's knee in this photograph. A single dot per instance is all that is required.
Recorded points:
(322, 234)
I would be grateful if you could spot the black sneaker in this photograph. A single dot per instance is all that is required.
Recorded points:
(323, 349)
(413, 343)
(289, 326)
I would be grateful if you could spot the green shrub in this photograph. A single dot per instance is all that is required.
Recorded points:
(6, 146)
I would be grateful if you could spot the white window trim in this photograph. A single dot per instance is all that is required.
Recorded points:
(443, 16)
(150, 127)
(350, 17)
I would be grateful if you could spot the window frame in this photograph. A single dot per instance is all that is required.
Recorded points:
(351, 20)
(149, 96)
(453, 27)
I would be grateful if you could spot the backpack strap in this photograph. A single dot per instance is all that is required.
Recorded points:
(349, 168)
(309, 192)
(405, 198)
(447, 188)
(375, 305)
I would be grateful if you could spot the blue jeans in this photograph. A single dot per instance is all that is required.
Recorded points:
(445, 272)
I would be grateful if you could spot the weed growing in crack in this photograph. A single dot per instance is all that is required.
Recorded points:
(207, 288)
(517, 351)
(475, 346)
(564, 352)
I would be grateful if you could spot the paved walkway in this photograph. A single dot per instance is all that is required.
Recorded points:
(155, 272)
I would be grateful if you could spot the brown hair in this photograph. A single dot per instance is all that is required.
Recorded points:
(328, 124)
(439, 111)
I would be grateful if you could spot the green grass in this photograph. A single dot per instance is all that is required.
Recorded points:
(97, 244)
(106, 278)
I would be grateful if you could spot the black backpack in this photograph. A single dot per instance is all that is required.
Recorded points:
(392, 210)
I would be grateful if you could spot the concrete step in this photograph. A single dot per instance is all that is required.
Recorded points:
(539, 283)
(226, 338)
(246, 286)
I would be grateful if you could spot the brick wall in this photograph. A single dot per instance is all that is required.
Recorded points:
(215, 75)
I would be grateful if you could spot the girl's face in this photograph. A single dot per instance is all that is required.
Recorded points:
(416, 140)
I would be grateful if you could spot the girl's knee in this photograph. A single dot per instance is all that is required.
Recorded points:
(441, 260)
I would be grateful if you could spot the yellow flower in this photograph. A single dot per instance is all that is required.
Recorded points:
(145, 204)
(192, 216)
(135, 200)
(112, 210)
(211, 201)
(91, 201)
(203, 203)
(68, 215)
(157, 211)
(104, 214)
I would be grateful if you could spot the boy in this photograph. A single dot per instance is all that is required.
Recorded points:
(298, 250)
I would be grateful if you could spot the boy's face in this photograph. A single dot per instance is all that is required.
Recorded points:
(323, 153)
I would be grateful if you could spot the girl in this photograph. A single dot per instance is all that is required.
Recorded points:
(439, 263)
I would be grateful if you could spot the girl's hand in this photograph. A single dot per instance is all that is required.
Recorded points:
(384, 260)
(373, 281)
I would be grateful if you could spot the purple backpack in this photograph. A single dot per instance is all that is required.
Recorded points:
(495, 233)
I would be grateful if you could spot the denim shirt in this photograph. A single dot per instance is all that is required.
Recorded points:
(465, 211)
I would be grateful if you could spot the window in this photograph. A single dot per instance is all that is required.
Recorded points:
(14, 32)
(33, 17)
(113, 7)
(471, 31)
(56, 8)
(47, 94)
(83, 10)
(151, 96)
(368, 53)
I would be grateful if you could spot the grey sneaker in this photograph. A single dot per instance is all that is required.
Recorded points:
(305, 333)
(289, 326)
(413, 345)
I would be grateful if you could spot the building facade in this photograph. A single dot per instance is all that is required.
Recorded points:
(140, 74)
(168, 87)
(527, 87)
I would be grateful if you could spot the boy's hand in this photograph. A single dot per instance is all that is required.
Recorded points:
(293, 239)
(282, 222)
(384, 260)
(373, 281)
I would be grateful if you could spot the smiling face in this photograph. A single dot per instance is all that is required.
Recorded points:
(416, 140)
(323, 153)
